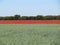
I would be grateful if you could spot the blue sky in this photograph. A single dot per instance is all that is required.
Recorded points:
(29, 7)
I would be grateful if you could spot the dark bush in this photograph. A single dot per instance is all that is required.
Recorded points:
(38, 17)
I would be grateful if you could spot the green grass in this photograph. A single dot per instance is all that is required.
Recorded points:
(24, 34)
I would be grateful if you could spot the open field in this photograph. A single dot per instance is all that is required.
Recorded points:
(29, 21)
(29, 34)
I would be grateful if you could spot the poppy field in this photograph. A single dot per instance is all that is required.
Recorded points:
(18, 32)
(29, 21)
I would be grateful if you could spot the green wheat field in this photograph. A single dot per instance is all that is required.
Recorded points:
(29, 34)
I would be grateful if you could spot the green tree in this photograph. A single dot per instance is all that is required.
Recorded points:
(58, 17)
(39, 17)
(17, 17)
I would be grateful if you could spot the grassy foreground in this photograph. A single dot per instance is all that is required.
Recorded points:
(33, 34)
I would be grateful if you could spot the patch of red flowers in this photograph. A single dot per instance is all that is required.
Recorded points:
(29, 21)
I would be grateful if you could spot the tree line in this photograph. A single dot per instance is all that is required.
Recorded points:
(38, 17)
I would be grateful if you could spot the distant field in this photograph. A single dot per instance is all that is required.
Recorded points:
(29, 21)
(33, 34)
